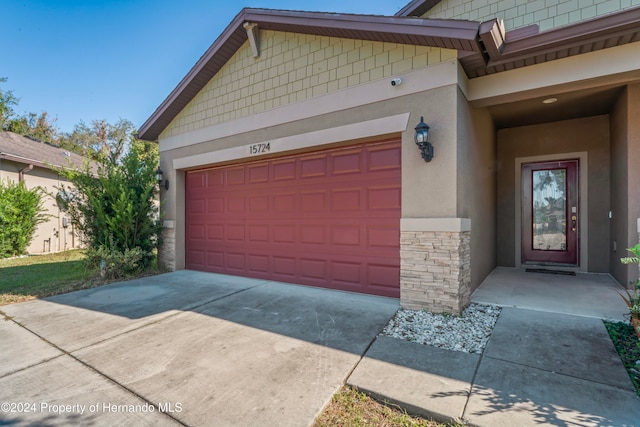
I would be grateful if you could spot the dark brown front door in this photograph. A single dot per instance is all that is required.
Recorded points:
(550, 212)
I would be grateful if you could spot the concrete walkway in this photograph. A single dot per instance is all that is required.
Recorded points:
(540, 368)
(189, 348)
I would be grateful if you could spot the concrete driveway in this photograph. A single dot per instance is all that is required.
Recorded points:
(183, 348)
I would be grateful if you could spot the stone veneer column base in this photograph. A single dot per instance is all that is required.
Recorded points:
(435, 269)
(167, 251)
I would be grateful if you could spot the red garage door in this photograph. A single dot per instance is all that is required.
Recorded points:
(330, 218)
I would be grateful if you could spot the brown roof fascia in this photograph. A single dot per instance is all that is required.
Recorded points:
(460, 35)
(493, 37)
(24, 160)
(621, 27)
(417, 8)
(435, 33)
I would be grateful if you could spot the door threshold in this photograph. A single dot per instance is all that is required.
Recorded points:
(547, 271)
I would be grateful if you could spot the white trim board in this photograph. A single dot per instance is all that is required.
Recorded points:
(453, 225)
(366, 129)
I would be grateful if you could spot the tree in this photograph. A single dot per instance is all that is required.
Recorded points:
(7, 102)
(37, 126)
(100, 140)
(21, 210)
(113, 207)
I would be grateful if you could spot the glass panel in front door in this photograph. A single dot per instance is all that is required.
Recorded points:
(549, 210)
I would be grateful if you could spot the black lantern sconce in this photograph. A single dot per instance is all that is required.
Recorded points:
(422, 140)
(160, 178)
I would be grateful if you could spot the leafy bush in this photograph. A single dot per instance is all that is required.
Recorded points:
(114, 264)
(21, 210)
(113, 207)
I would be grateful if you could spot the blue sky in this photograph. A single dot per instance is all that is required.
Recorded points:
(87, 60)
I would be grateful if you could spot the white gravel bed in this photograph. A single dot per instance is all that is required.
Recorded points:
(468, 332)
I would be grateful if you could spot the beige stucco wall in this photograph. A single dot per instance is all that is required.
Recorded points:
(61, 238)
(625, 176)
(590, 135)
(428, 189)
(476, 189)
(547, 14)
(296, 67)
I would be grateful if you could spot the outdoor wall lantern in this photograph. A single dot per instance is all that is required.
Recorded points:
(422, 140)
(160, 178)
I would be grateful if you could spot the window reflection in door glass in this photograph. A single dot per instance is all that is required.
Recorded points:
(549, 210)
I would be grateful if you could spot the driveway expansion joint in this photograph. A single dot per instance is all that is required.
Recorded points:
(93, 369)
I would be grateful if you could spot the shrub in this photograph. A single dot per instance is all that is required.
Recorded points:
(113, 264)
(114, 209)
(21, 210)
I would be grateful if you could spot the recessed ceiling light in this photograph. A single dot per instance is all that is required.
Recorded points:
(549, 100)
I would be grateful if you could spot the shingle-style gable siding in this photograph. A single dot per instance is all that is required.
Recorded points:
(547, 14)
(293, 68)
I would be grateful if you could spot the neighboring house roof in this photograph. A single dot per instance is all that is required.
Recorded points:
(484, 48)
(25, 150)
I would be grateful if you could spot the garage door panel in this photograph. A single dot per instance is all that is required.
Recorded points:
(258, 174)
(215, 259)
(329, 219)
(215, 232)
(214, 178)
(314, 269)
(346, 235)
(215, 205)
(197, 232)
(284, 170)
(285, 203)
(235, 261)
(381, 236)
(196, 180)
(259, 264)
(313, 167)
(235, 205)
(196, 206)
(285, 267)
(315, 201)
(236, 232)
(347, 272)
(384, 158)
(347, 163)
(384, 198)
(258, 205)
(313, 234)
(258, 233)
(235, 176)
(284, 234)
(197, 257)
(347, 200)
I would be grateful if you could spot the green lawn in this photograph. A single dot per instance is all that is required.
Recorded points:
(350, 407)
(29, 277)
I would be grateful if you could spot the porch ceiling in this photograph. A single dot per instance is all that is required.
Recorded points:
(570, 105)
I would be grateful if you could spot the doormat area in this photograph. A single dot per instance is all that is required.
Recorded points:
(544, 270)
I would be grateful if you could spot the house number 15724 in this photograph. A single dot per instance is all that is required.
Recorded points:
(260, 148)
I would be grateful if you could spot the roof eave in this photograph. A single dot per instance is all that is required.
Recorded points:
(459, 35)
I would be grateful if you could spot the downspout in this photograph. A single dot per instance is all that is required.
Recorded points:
(22, 171)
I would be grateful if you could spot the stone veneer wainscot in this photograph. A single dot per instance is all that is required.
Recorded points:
(435, 270)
